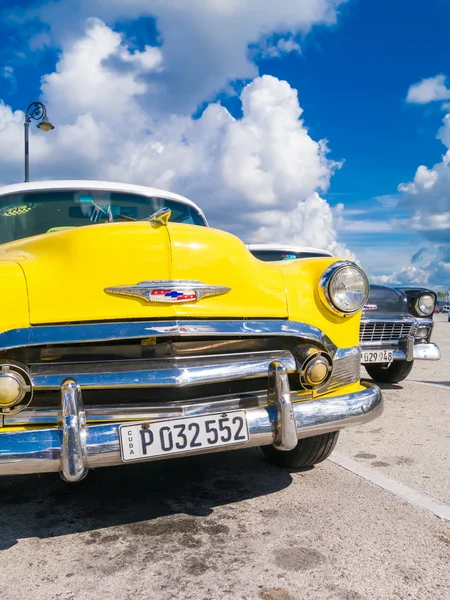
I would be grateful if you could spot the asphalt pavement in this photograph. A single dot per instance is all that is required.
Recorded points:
(373, 522)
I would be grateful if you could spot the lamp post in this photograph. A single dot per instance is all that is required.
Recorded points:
(38, 112)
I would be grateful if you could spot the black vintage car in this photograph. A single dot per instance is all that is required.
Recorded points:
(396, 323)
(396, 328)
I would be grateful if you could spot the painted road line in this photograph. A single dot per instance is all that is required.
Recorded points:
(441, 386)
(410, 495)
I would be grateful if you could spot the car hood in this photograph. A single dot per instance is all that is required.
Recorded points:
(385, 302)
(66, 273)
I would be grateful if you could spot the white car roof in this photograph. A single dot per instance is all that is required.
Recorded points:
(108, 186)
(283, 248)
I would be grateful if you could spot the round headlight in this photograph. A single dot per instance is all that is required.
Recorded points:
(344, 288)
(425, 304)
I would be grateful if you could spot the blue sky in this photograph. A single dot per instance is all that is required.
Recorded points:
(352, 72)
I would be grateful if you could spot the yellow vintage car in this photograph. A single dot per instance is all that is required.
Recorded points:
(132, 331)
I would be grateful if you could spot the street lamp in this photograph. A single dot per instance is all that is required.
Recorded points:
(38, 112)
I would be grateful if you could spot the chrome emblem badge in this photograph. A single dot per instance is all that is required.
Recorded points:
(370, 307)
(170, 291)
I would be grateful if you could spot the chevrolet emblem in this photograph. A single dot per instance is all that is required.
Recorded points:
(171, 291)
(370, 307)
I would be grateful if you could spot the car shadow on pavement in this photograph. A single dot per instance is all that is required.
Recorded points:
(384, 386)
(43, 506)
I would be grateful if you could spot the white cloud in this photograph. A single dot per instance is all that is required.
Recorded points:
(427, 200)
(427, 222)
(428, 266)
(84, 82)
(387, 201)
(424, 179)
(429, 90)
(275, 48)
(9, 75)
(380, 258)
(206, 42)
(309, 223)
(409, 275)
(258, 176)
(8, 72)
(40, 41)
(370, 226)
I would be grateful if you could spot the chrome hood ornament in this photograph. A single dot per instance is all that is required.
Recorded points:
(170, 291)
(161, 216)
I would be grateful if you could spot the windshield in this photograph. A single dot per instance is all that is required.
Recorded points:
(25, 214)
(272, 255)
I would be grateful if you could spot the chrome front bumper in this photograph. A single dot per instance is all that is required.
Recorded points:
(407, 347)
(76, 446)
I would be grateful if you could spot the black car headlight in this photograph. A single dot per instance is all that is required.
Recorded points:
(344, 288)
(425, 305)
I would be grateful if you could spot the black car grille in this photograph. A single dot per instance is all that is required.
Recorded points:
(384, 332)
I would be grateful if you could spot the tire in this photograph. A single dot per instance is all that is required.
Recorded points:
(395, 372)
(307, 453)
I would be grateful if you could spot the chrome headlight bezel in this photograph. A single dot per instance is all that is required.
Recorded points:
(18, 373)
(325, 283)
(422, 312)
(422, 332)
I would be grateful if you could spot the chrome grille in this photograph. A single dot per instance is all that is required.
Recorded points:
(164, 402)
(384, 331)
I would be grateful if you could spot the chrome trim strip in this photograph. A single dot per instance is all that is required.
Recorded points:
(416, 322)
(162, 372)
(382, 344)
(39, 335)
(39, 450)
(410, 321)
(188, 408)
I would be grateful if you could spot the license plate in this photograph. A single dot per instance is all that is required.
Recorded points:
(175, 436)
(377, 356)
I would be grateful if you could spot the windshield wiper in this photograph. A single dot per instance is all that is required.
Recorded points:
(161, 216)
(94, 215)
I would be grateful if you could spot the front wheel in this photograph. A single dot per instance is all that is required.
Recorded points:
(307, 453)
(395, 372)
